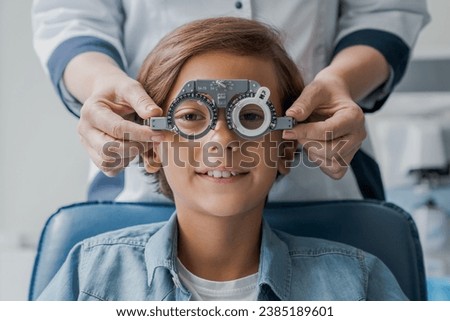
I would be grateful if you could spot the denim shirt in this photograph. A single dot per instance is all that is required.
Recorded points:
(139, 263)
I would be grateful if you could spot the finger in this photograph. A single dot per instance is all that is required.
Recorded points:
(123, 149)
(335, 151)
(311, 97)
(334, 170)
(135, 95)
(325, 150)
(331, 167)
(107, 161)
(107, 146)
(342, 123)
(343, 146)
(105, 120)
(331, 157)
(337, 167)
(109, 167)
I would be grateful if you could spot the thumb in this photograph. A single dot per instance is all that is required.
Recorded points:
(310, 98)
(141, 102)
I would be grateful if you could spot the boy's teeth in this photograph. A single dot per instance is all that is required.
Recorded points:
(220, 174)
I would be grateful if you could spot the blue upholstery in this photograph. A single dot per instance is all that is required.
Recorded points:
(380, 228)
(438, 288)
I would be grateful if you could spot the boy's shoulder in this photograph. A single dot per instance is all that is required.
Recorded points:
(310, 246)
(137, 235)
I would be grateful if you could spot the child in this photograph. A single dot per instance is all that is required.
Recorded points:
(217, 245)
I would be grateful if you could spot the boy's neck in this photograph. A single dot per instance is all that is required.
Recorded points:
(219, 248)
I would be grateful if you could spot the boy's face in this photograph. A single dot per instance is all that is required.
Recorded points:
(222, 174)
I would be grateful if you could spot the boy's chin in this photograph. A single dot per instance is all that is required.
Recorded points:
(224, 207)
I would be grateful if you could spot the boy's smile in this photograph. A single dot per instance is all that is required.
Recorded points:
(222, 173)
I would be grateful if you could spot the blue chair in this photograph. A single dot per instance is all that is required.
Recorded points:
(380, 228)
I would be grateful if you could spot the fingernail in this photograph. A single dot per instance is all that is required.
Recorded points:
(296, 112)
(289, 134)
(152, 108)
(157, 138)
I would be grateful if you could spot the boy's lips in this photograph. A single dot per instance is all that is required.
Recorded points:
(221, 172)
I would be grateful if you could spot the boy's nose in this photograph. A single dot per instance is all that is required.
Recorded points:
(221, 134)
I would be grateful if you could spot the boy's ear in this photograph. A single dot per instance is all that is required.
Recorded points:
(152, 161)
(286, 152)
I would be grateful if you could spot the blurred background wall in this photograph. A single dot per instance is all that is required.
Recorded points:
(43, 166)
(42, 163)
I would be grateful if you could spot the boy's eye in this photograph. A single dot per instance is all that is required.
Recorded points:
(251, 117)
(192, 117)
(191, 110)
(251, 113)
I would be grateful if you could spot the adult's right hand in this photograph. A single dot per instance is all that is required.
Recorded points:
(107, 128)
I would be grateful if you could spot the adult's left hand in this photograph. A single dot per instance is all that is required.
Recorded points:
(330, 124)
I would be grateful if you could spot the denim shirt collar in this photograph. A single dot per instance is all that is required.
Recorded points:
(274, 267)
(161, 249)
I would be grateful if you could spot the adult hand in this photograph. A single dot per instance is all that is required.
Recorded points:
(331, 127)
(107, 128)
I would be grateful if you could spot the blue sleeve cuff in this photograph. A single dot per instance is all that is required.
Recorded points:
(65, 52)
(392, 47)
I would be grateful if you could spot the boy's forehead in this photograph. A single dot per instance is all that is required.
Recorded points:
(218, 65)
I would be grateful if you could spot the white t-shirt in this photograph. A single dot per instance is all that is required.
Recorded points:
(243, 289)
